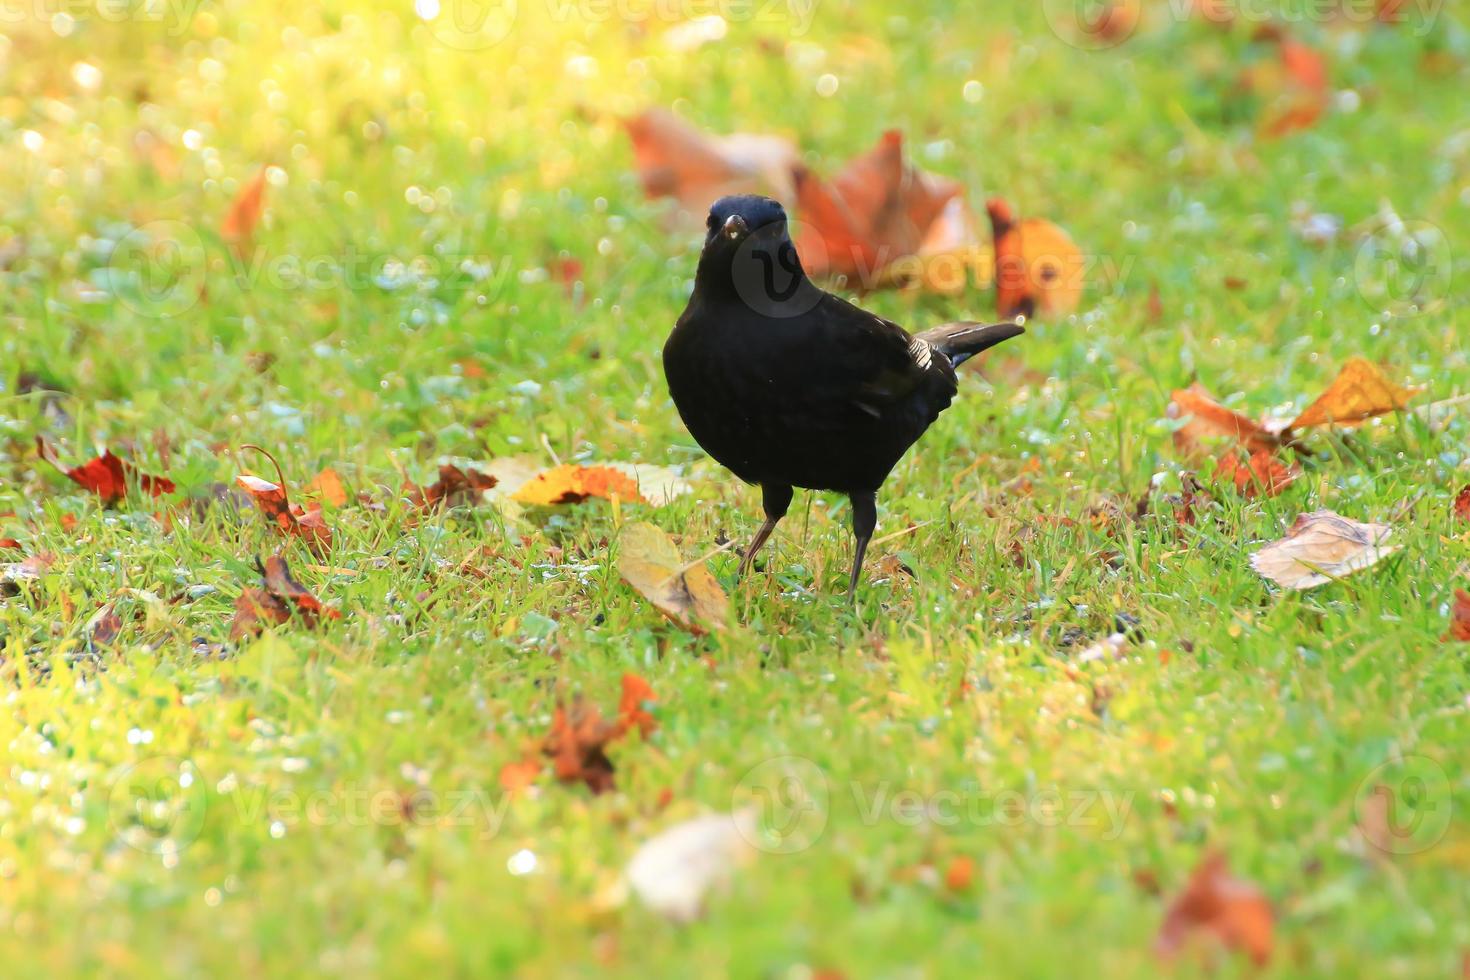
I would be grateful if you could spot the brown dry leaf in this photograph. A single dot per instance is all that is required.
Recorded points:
(1358, 393)
(1222, 908)
(107, 476)
(686, 593)
(292, 520)
(577, 746)
(1322, 547)
(104, 626)
(455, 486)
(1206, 418)
(280, 599)
(676, 160)
(1459, 618)
(240, 221)
(1462, 505)
(878, 209)
(1260, 474)
(328, 485)
(1039, 270)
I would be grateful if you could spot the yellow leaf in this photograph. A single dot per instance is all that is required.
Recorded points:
(687, 594)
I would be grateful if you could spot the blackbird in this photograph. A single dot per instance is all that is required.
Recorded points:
(789, 386)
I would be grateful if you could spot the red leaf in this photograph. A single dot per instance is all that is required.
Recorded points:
(1462, 505)
(107, 476)
(454, 486)
(577, 746)
(281, 598)
(1459, 618)
(1219, 906)
(290, 519)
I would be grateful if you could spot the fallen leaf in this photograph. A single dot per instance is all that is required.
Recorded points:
(1321, 547)
(291, 520)
(104, 626)
(516, 776)
(632, 713)
(1459, 618)
(577, 746)
(107, 476)
(1260, 474)
(281, 598)
(455, 486)
(878, 209)
(686, 593)
(1462, 505)
(9, 544)
(960, 874)
(240, 221)
(676, 160)
(1358, 393)
(673, 872)
(328, 485)
(1204, 418)
(1039, 270)
(570, 484)
(1297, 85)
(1217, 905)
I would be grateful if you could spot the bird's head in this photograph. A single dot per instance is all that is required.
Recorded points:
(748, 250)
(735, 218)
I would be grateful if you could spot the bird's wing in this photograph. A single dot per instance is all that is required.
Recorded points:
(874, 364)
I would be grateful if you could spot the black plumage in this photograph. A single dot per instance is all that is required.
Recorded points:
(790, 386)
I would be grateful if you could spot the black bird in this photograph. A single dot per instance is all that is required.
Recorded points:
(790, 386)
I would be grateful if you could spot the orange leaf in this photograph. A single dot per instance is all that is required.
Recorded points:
(290, 519)
(960, 874)
(631, 714)
(516, 776)
(328, 483)
(107, 476)
(1221, 907)
(1206, 417)
(1358, 393)
(1459, 618)
(1039, 270)
(245, 210)
(1259, 474)
(877, 210)
(570, 484)
(1306, 92)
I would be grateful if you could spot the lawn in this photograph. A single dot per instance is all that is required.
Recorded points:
(457, 263)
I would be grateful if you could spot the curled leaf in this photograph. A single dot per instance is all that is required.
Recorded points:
(454, 486)
(1322, 547)
(687, 594)
(281, 598)
(291, 520)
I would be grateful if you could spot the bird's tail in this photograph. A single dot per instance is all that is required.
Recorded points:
(962, 341)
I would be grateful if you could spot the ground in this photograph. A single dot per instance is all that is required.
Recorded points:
(994, 801)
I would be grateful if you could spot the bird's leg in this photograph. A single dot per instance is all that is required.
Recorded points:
(776, 499)
(864, 520)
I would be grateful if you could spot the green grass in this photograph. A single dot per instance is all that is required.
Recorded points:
(1243, 718)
